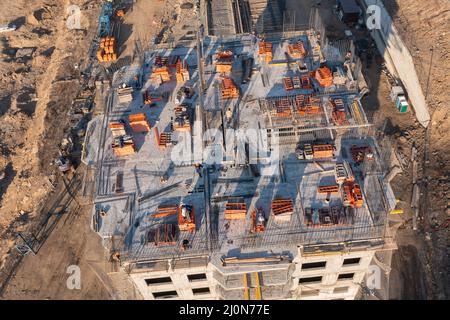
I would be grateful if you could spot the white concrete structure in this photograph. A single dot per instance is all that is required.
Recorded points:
(309, 276)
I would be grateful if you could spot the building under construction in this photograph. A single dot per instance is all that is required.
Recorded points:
(257, 181)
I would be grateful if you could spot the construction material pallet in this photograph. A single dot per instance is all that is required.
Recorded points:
(322, 151)
(139, 122)
(324, 77)
(185, 224)
(306, 83)
(328, 189)
(282, 207)
(352, 195)
(359, 153)
(235, 210)
(165, 211)
(265, 48)
(165, 139)
(228, 89)
(297, 50)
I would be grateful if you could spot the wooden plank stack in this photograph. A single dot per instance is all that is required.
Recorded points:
(166, 211)
(235, 209)
(123, 147)
(165, 139)
(160, 72)
(150, 98)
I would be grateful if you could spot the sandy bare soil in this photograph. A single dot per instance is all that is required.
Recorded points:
(35, 96)
(424, 27)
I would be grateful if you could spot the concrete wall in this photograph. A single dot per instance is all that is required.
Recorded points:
(325, 289)
(399, 61)
(179, 283)
(281, 288)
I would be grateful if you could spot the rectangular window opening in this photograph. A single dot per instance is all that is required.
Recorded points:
(196, 277)
(351, 261)
(340, 290)
(198, 291)
(156, 281)
(314, 265)
(310, 280)
(165, 294)
(346, 276)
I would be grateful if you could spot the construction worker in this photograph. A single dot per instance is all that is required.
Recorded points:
(228, 114)
(198, 168)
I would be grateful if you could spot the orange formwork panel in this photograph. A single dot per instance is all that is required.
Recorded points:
(324, 77)
(107, 51)
(224, 61)
(139, 122)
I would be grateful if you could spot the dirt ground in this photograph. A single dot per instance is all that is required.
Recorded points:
(425, 27)
(36, 92)
(30, 138)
